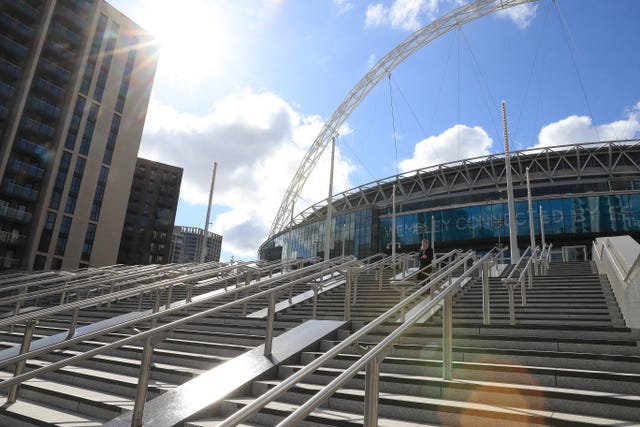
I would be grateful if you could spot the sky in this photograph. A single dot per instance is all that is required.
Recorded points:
(248, 85)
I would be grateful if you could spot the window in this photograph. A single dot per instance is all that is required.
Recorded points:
(88, 241)
(63, 235)
(47, 231)
(88, 129)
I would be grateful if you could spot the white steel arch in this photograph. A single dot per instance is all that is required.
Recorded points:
(406, 48)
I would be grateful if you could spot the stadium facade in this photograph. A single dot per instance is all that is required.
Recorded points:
(583, 191)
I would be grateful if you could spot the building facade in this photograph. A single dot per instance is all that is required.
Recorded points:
(151, 213)
(579, 192)
(75, 82)
(186, 245)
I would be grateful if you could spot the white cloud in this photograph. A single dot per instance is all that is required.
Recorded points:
(521, 15)
(342, 6)
(402, 14)
(411, 15)
(576, 129)
(455, 143)
(258, 141)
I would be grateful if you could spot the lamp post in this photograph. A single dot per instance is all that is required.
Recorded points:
(327, 232)
(532, 235)
(206, 223)
(513, 228)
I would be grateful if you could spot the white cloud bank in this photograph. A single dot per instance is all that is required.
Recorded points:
(574, 129)
(410, 15)
(464, 142)
(457, 142)
(258, 141)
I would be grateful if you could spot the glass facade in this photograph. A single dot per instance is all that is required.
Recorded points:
(352, 233)
(363, 233)
(564, 215)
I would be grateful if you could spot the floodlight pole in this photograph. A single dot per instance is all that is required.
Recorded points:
(206, 222)
(532, 235)
(513, 229)
(327, 231)
(393, 223)
(541, 226)
(433, 234)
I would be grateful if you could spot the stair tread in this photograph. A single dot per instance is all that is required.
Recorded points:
(46, 414)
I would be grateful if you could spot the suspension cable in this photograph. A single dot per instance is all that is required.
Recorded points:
(393, 124)
(415, 116)
(570, 45)
(531, 72)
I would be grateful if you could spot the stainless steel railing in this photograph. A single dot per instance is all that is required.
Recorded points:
(374, 356)
(265, 289)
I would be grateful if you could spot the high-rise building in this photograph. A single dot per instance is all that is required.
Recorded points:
(148, 226)
(75, 82)
(186, 245)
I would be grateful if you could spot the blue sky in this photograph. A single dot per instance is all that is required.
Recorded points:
(248, 84)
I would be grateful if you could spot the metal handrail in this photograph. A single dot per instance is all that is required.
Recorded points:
(371, 355)
(89, 302)
(156, 333)
(165, 312)
(529, 255)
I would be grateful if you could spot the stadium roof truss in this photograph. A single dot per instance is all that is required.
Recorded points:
(589, 162)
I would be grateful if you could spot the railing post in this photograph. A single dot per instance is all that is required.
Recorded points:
(371, 393)
(354, 278)
(315, 300)
(486, 306)
(523, 292)
(74, 322)
(271, 313)
(530, 278)
(512, 308)
(169, 295)
(380, 270)
(347, 296)
(145, 370)
(447, 337)
(24, 347)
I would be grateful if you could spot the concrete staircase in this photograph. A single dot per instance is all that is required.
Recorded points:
(569, 361)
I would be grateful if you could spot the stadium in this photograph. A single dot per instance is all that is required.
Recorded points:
(581, 191)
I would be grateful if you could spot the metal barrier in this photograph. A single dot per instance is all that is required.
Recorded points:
(371, 359)
(263, 289)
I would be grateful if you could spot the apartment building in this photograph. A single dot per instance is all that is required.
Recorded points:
(151, 213)
(75, 82)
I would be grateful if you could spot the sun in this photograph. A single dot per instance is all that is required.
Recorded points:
(192, 35)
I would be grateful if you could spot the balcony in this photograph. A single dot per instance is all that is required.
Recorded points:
(12, 25)
(44, 108)
(26, 169)
(58, 51)
(6, 91)
(37, 127)
(19, 191)
(63, 33)
(10, 69)
(12, 238)
(27, 147)
(16, 215)
(24, 9)
(54, 70)
(70, 17)
(16, 49)
(8, 263)
(48, 88)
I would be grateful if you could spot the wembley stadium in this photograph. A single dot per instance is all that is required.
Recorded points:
(578, 192)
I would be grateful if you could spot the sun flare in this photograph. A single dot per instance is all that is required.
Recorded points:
(191, 35)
